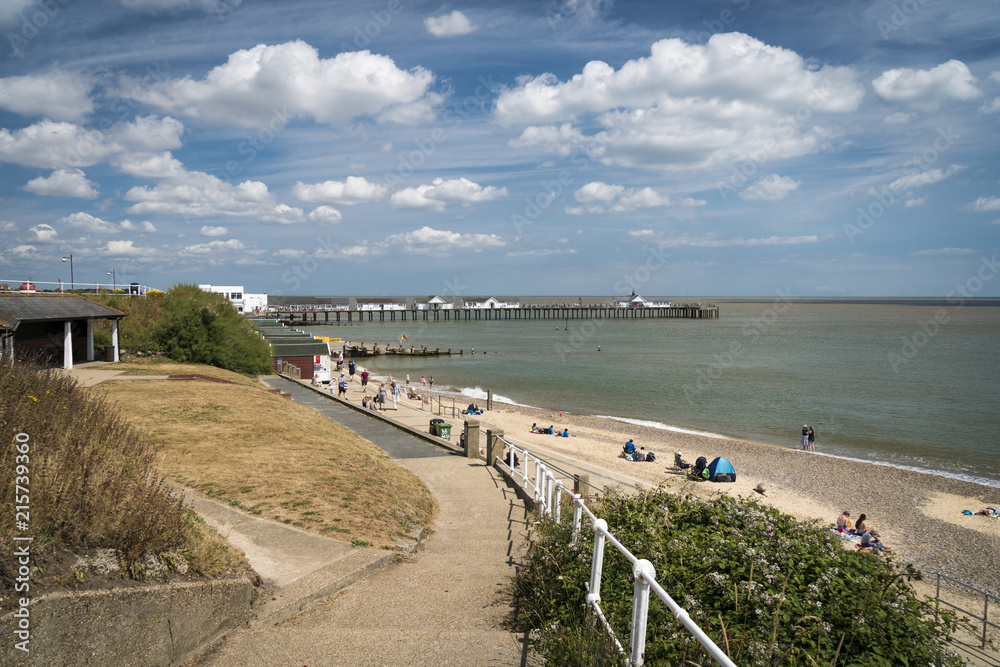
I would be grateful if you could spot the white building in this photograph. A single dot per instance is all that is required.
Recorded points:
(488, 302)
(434, 303)
(633, 300)
(383, 303)
(254, 303)
(232, 292)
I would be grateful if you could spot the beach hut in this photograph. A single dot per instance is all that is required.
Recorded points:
(721, 466)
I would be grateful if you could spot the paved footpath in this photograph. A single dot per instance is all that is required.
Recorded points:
(443, 606)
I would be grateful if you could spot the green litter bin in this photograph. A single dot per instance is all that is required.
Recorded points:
(444, 431)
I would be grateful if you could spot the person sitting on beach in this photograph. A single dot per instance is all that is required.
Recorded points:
(565, 432)
(550, 430)
(860, 528)
(680, 462)
(640, 455)
(870, 540)
(535, 429)
(629, 448)
(700, 468)
(650, 457)
(844, 522)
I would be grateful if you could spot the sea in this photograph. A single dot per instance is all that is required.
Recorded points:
(912, 383)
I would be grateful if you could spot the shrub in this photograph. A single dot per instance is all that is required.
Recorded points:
(90, 480)
(203, 327)
(135, 330)
(767, 588)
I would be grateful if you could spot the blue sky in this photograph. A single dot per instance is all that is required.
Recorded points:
(731, 147)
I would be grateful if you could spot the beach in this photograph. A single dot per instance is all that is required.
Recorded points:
(919, 515)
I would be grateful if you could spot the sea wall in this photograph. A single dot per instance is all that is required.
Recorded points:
(159, 625)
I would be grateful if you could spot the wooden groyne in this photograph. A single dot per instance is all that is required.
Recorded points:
(305, 315)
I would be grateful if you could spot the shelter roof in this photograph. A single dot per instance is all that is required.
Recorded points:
(18, 308)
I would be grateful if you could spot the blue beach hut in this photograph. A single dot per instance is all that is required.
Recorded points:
(720, 466)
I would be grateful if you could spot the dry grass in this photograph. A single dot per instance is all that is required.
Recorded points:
(270, 457)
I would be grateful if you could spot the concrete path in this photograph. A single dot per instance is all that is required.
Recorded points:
(443, 606)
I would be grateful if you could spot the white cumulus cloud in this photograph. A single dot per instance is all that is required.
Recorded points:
(325, 215)
(439, 192)
(63, 183)
(208, 230)
(927, 89)
(88, 223)
(685, 105)
(265, 86)
(600, 197)
(56, 95)
(59, 145)
(770, 188)
(43, 233)
(428, 240)
(354, 190)
(448, 25)
(985, 204)
(145, 226)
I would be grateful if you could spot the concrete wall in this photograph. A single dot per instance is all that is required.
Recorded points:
(159, 625)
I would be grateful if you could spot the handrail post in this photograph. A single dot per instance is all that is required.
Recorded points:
(597, 563)
(643, 572)
(550, 484)
(937, 598)
(555, 505)
(986, 615)
(577, 516)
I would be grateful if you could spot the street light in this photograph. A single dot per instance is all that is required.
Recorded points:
(71, 281)
(114, 280)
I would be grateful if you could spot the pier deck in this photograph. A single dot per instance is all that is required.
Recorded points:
(319, 316)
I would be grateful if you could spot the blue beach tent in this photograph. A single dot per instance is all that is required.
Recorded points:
(720, 465)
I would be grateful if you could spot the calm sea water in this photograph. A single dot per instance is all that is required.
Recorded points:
(911, 383)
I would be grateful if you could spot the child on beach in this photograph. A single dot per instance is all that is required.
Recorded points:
(844, 522)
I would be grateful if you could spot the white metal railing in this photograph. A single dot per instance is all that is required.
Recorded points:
(546, 491)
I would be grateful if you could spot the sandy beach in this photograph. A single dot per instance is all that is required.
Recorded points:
(919, 515)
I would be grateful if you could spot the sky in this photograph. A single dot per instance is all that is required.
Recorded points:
(399, 147)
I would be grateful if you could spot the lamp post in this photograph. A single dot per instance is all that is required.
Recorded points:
(72, 283)
(114, 280)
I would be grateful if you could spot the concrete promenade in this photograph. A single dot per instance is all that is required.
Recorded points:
(445, 605)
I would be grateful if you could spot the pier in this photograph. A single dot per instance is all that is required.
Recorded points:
(315, 316)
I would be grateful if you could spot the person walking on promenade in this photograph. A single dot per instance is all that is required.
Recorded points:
(381, 396)
(351, 367)
(364, 378)
(342, 387)
(394, 390)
